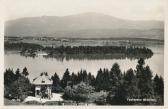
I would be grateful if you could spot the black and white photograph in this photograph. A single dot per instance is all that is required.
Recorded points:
(83, 53)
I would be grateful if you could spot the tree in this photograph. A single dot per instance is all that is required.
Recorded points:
(161, 86)
(84, 76)
(17, 74)
(83, 88)
(115, 71)
(119, 97)
(56, 79)
(56, 83)
(106, 80)
(25, 72)
(20, 88)
(74, 79)
(158, 85)
(140, 68)
(144, 79)
(130, 84)
(66, 78)
(9, 77)
(115, 75)
(91, 79)
(117, 94)
(148, 86)
(78, 92)
(99, 80)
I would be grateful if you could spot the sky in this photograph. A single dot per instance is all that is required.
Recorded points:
(126, 9)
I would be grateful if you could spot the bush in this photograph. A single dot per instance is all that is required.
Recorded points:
(117, 97)
(20, 88)
(78, 92)
(83, 88)
(57, 89)
(68, 93)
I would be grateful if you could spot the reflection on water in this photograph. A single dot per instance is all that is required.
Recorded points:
(97, 56)
(52, 65)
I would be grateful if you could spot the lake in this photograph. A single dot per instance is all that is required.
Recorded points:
(51, 65)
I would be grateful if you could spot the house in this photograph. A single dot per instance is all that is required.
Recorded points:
(43, 86)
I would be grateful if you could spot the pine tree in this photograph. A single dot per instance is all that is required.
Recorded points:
(21, 88)
(106, 80)
(130, 84)
(158, 85)
(119, 97)
(74, 78)
(84, 76)
(161, 86)
(91, 79)
(98, 81)
(25, 72)
(148, 86)
(140, 68)
(17, 74)
(66, 78)
(144, 79)
(9, 77)
(115, 75)
(56, 79)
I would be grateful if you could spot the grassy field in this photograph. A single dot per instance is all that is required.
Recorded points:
(51, 41)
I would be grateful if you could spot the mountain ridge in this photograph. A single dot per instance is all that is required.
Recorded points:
(93, 25)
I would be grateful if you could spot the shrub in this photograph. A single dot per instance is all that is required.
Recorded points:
(78, 92)
(57, 89)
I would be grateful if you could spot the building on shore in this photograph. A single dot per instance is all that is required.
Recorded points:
(43, 86)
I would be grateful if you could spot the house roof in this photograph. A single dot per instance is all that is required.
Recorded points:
(43, 79)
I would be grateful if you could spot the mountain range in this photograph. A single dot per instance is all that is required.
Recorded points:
(85, 25)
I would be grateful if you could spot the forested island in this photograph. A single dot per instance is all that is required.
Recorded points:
(81, 52)
(108, 87)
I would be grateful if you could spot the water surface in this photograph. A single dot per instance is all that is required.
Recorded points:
(51, 65)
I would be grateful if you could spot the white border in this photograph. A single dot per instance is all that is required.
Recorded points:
(83, 107)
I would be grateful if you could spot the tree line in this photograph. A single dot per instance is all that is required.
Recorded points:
(98, 50)
(16, 84)
(22, 46)
(132, 84)
(120, 86)
(82, 52)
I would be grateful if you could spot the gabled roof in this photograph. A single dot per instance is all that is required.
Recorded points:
(43, 79)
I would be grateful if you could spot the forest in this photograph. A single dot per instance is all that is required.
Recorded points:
(108, 87)
(81, 52)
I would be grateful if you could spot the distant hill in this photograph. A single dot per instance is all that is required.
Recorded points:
(85, 25)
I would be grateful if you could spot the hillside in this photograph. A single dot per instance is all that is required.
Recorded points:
(85, 25)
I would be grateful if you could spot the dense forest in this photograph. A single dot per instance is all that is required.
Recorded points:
(108, 87)
(82, 52)
(22, 46)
